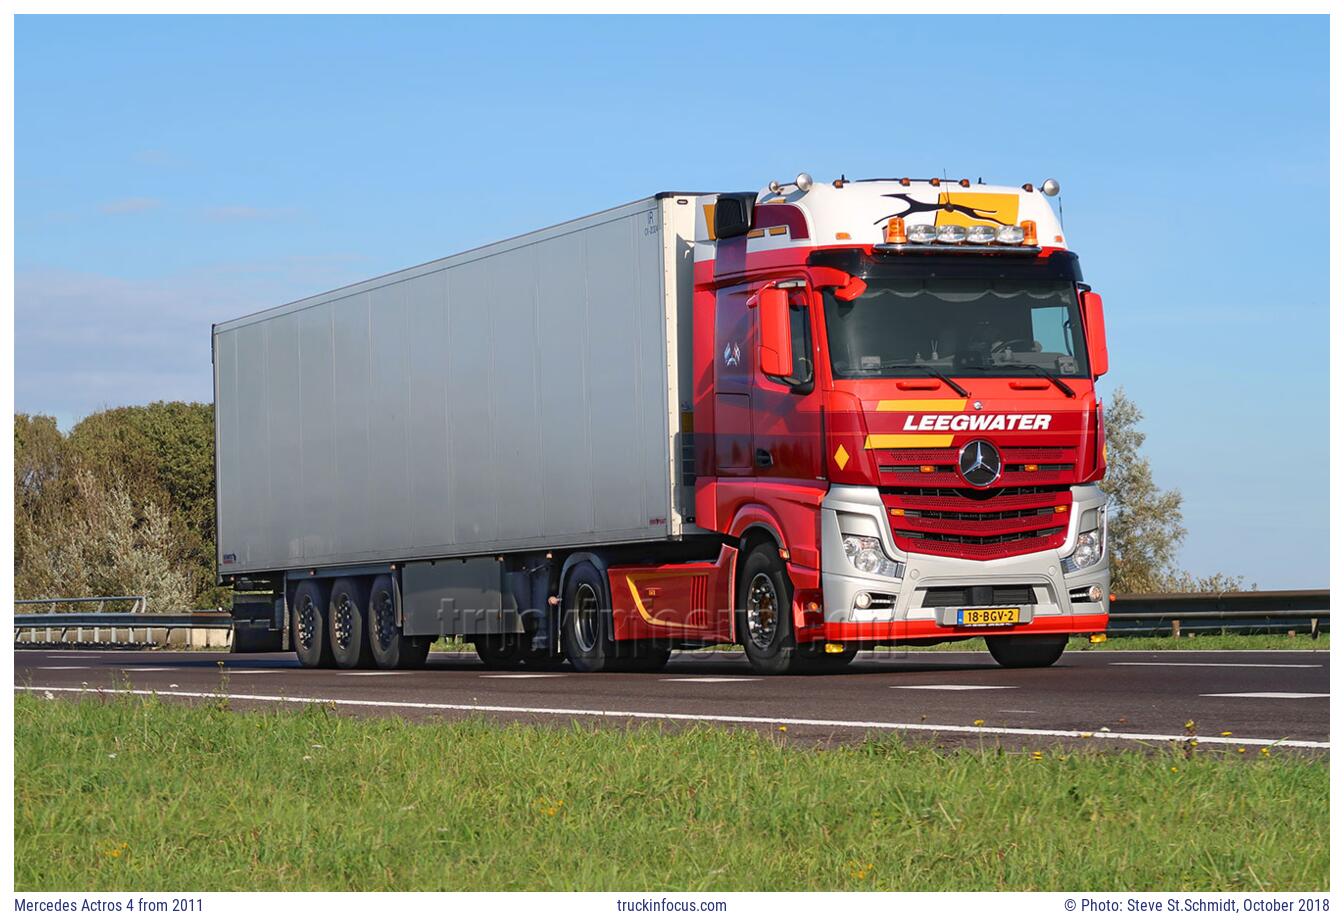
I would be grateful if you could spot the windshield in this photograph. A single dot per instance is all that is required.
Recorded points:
(968, 324)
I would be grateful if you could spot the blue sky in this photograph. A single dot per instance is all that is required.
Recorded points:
(173, 172)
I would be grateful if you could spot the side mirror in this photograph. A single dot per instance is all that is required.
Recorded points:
(1094, 322)
(776, 340)
(733, 212)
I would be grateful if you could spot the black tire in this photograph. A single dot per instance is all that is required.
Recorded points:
(586, 628)
(500, 650)
(765, 613)
(348, 623)
(308, 625)
(814, 659)
(390, 649)
(1026, 651)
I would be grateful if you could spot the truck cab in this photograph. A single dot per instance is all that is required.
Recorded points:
(896, 394)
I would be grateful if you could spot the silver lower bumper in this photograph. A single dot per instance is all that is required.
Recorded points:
(859, 510)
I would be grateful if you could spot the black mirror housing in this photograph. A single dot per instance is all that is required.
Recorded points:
(733, 214)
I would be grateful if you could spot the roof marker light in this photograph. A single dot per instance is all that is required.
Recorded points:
(921, 233)
(1027, 187)
(1029, 233)
(935, 182)
(841, 235)
(896, 230)
(905, 181)
(964, 183)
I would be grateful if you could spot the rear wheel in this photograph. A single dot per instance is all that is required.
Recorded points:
(765, 617)
(308, 624)
(347, 623)
(500, 650)
(1026, 651)
(585, 631)
(389, 648)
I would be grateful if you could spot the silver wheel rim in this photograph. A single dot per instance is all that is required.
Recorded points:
(762, 610)
(384, 619)
(343, 622)
(307, 621)
(586, 611)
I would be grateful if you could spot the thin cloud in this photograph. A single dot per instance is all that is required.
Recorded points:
(248, 212)
(129, 205)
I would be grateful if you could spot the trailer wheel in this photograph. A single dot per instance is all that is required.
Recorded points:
(347, 623)
(308, 622)
(765, 613)
(1026, 651)
(500, 650)
(585, 632)
(390, 649)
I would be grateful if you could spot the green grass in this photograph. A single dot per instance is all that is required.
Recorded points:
(134, 794)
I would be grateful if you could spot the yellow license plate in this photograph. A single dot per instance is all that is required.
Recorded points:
(989, 616)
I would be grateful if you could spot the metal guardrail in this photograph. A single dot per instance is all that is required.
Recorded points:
(1306, 611)
(1131, 615)
(138, 602)
(114, 627)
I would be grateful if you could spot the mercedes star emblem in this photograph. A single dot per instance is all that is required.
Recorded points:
(980, 463)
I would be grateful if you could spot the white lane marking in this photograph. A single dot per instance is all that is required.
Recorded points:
(951, 687)
(62, 667)
(149, 669)
(706, 680)
(1270, 695)
(1020, 711)
(1205, 664)
(518, 676)
(697, 717)
(374, 673)
(76, 657)
(258, 670)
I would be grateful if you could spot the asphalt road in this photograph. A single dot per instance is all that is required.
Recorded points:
(1092, 698)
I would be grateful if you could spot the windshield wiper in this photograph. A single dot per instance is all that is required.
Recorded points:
(1040, 371)
(932, 372)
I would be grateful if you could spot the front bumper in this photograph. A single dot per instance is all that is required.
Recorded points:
(898, 610)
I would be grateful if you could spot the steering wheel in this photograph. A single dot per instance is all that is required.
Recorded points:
(1007, 345)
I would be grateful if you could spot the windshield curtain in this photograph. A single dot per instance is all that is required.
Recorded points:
(969, 324)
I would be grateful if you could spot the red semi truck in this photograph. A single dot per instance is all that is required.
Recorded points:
(808, 420)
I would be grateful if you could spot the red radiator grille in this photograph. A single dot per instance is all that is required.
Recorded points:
(975, 524)
(937, 467)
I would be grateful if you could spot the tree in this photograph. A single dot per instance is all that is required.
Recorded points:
(1144, 523)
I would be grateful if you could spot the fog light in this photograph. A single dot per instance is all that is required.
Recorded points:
(981, 235)
(921, 233)
(1094, 594)
(835, 648)
(1011, 234)
(951, 234)
(863, 600)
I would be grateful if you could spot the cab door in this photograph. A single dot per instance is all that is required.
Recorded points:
(786, 412)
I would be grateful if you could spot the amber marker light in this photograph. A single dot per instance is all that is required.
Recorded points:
(1028, 233)
(1031, 467)
(896, 230)
(926, 469)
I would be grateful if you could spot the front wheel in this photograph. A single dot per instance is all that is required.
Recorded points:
(765, 613)
(1026, 651)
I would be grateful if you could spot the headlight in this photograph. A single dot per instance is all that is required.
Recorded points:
(866, 555)
(1091, 546)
